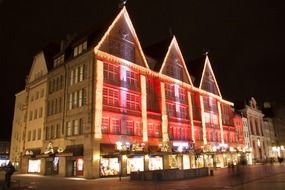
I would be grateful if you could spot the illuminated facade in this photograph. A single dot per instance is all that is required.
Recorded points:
(256, 131)
(108, 113)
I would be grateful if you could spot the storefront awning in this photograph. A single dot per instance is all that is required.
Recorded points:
(73, 150)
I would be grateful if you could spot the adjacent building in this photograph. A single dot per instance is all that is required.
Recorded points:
(256, 131)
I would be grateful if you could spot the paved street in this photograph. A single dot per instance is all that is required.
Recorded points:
(250, 177)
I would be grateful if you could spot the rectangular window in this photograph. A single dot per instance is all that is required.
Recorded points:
(81, 73)
(130, 128)
(105, 125)
(132, 78)
(70, 101)
(157, 131)
(75, 51)
(170, 109)
(52, 135)
(110, 97)
(31, 115)
(76, 127)
(68, 128)
(183, 112)
(34, 134)
(115, 128)
(41, 112)
(111, 72)
(29, 135)
(76, 76)
(80, 98)
(59, 104)
(74, 104)
(36, 114)
(133, 101)
(182, 94)
(39, 134)
(71, 77)
(138, 129)
(47, 133)
(150, 129)
(169, 90)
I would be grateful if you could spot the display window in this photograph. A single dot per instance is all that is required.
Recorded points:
(186, 162)
(135, 164)
(173, 161)
(155, 163)
(109, 166)
(34, 166)
(3, 163)
(200, 161)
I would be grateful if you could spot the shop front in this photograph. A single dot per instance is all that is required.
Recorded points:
(155, 162)
(109, 166)
(74, 162)
(34, 166)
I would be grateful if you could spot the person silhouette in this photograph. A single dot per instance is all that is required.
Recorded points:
(9, 169)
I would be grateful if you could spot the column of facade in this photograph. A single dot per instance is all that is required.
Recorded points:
(221, 123)
(203, 120)
(191, 116)
(98, 99)
(164, 118)
(144, 108)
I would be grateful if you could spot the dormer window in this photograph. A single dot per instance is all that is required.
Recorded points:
(80, 48)
(59, 60)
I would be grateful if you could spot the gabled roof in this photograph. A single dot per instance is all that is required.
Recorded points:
(39, 67)
(208, 80)
(174, 65)
(121, 40)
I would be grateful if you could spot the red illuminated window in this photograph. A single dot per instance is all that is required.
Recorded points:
(133, 101)
(110, 97)
(169, 90)
(111, 72)
(183, 112)
(154, 130)
(105, 125)
(150, 129)
(182, 94)
(138, 129)
(157, 129)
(180, 132)
(132, 78)
(130, 128)
(170, 109)
(115, 127)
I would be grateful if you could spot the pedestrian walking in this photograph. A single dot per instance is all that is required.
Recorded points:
(9, 170)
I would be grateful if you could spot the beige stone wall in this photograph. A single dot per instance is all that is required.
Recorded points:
(18, 126)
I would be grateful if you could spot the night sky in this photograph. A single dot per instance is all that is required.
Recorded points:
(245, 39)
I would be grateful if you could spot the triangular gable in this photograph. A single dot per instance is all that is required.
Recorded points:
(174, 64)
(208, 80)
(39, 67)
(121, 40)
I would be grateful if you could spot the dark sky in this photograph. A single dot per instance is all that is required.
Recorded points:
(245, 39)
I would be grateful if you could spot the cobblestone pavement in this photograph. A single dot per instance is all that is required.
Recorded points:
(248, 177)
